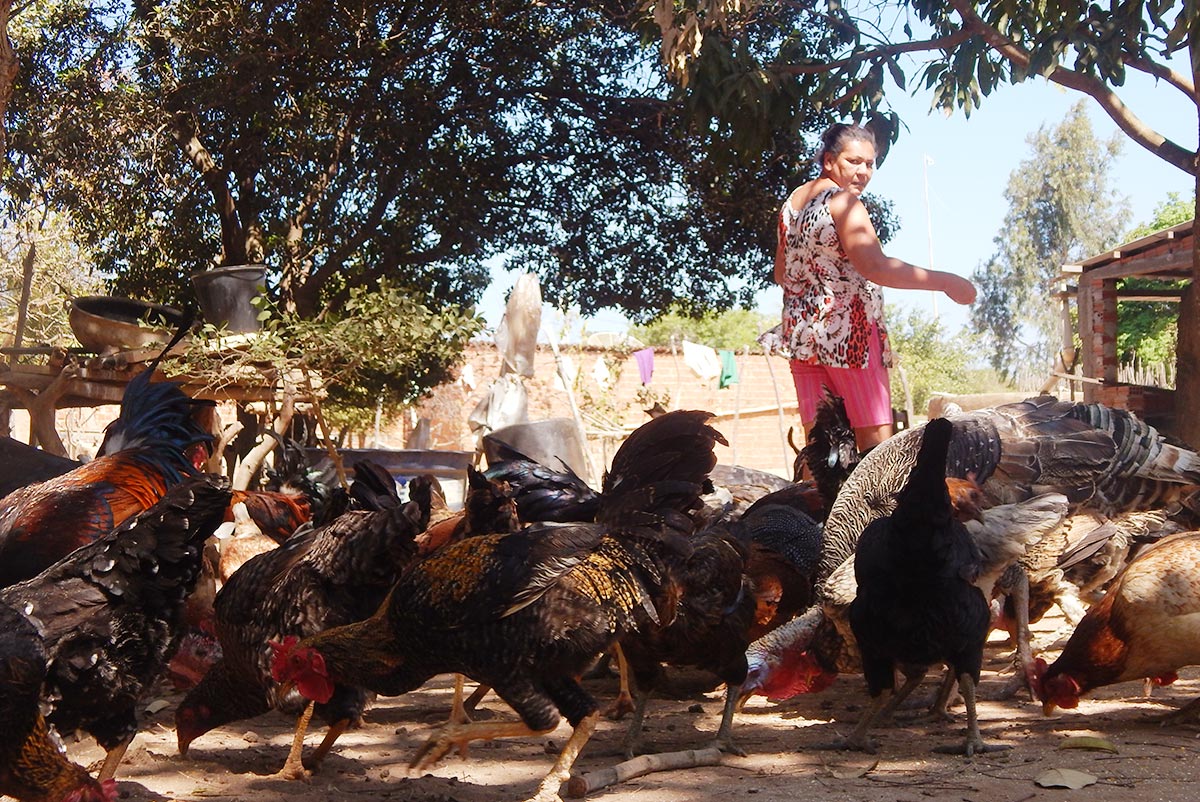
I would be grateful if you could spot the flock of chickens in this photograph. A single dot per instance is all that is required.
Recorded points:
(138, 565)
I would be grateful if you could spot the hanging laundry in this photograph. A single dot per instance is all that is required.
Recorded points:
(702, 360)
(601, 373)
(645, 363)
(729, 371)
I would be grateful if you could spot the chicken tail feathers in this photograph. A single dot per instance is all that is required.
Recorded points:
(160, 416)
(660, 472)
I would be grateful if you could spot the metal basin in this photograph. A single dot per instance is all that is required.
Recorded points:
(106, 324)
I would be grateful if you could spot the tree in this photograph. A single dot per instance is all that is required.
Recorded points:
(733, 329)
(340, 143)
(971, 48)
(931, 361)
(1061, 208)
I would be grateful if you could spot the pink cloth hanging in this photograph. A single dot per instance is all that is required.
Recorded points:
(645, 363)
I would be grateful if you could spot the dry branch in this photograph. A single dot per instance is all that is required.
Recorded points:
(582, 785)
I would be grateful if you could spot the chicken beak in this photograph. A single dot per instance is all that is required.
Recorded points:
(1048, 708)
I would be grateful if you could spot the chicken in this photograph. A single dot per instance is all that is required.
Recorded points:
(489, 507)
(275, 514)
(1100, 458)
(741, 579)
(1145, 626)
(526, 613)
(32, 767)
(785, 548)
(109, 613)
(830, 449)
(237, 541)
(320, 578)
(543, 493)
(1070, 568)
(144, 451)
(917, 603)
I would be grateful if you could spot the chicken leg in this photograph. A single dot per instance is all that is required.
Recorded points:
(460, 734)
(108, 769)
(974, 744)
(293, 767)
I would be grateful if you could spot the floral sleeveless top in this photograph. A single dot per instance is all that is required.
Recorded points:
(829, 309)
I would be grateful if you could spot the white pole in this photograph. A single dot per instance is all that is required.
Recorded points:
(925, 162)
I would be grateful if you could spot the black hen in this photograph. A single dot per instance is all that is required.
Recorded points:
(830, 449)
(917, 604)
(320, 578)
(33, 767)
(527, 612)
(546, 494)
(109, 614)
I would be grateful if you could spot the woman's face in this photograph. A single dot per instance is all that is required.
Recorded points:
(853, 167)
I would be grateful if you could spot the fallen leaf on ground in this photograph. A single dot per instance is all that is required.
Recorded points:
(1064, 778)
(1089, 742)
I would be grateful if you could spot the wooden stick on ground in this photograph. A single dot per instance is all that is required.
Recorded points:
(581, 785)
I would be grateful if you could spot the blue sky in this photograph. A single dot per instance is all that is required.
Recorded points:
(971, 162)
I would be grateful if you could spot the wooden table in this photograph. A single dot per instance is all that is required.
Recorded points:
(65, 378)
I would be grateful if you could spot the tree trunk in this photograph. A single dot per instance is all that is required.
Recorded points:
(8, 73)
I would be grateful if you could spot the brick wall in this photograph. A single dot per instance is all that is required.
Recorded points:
(748, 412)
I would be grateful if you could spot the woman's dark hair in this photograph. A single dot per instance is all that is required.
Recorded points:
(837, 136)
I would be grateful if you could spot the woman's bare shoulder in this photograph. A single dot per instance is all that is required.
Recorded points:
(802, 195)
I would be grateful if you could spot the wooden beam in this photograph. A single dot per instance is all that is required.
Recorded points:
(1176, 259)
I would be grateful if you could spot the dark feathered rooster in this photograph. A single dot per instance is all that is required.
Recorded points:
(320, 578)
(741, 579)
(528, 612)
(32, 767)
(108, 614)
(151, 446)
(917, 604)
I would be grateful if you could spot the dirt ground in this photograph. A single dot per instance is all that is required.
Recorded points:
(1150, 762)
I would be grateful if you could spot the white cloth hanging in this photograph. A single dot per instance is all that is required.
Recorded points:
(703, 360)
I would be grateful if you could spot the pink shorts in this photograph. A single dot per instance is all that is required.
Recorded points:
(866, 390)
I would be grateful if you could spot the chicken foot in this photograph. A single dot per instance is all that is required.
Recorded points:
(974, 744)
(857, 740)
(313, 761)
(561, 771)
(293, 767)
(460, 734)
(724, 738)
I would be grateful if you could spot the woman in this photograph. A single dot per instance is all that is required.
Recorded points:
(831, 266)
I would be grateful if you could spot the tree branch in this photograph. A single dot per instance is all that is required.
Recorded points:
(940, 43)
(1093, 87)
(1164, 73)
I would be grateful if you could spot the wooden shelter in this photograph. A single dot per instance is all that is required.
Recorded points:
(43, 380)
(1164, 256)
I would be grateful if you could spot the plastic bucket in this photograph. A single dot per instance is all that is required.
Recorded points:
(545, 441)
(225, 295)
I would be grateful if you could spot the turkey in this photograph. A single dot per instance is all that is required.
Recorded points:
(1099, 458)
